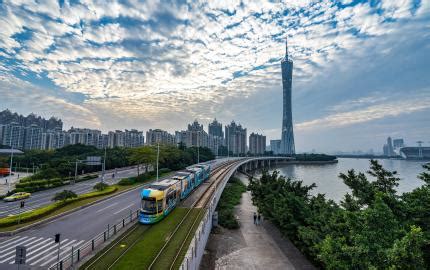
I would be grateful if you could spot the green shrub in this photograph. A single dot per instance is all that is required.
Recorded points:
(100, 186)
(229, 199)
(126, 181)
(46, 210)
(64, 195)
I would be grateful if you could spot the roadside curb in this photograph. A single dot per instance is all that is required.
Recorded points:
(41, 222)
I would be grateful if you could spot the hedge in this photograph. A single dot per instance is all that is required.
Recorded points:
(46, 210)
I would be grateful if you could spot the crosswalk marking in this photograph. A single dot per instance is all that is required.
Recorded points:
(68, 249)
(18, 243)
(12, 250)
(41, 251)
(10, 240)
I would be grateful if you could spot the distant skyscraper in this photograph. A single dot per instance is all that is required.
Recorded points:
(275, 146)
(257, 144)
(398, 143)
(215, 129)
(287, 139)
(390, 149)
(235, 138)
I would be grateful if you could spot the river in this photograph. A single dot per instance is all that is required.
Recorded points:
(327, 180)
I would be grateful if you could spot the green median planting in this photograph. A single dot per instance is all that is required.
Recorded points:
(42, 212)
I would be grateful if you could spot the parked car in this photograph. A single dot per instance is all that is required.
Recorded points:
(17, 196)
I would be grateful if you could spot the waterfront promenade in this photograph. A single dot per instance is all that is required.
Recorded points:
(251, 246)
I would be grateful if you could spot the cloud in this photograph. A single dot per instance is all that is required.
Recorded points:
(146, 63)
(369, 113)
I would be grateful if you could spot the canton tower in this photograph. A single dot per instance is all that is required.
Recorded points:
(287, 141)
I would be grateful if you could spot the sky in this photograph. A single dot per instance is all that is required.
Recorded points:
(361, 68)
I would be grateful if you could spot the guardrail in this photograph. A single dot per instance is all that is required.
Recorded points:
(76, 254)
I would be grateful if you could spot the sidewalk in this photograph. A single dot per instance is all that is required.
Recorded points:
(259, 246)
(11, 181)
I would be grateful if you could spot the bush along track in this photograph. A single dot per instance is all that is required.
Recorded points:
(229, 199)
(46, 210)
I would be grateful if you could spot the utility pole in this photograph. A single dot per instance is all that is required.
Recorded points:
(158, 156)
(104, 167)
(76, 171)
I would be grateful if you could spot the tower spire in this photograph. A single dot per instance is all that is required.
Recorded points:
(286, 47)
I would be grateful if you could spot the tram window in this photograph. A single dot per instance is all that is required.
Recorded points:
(149, 206)
(160, 206)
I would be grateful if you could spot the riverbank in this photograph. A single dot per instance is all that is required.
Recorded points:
(251, 246)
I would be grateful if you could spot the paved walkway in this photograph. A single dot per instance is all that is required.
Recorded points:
(263, 247)
(11, 181)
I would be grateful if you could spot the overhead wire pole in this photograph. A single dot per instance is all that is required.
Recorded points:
(158, 156)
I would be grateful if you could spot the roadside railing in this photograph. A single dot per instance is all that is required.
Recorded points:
(76, 254)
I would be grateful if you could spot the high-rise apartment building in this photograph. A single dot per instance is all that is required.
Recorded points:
(154, 136)
(287, 139)
(275, 146)
(235, 138)
(215, 129)
(257, 144)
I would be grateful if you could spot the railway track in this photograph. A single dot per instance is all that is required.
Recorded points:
(202, 202)
(217, 175)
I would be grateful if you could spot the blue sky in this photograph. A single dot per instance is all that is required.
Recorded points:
(361, 68)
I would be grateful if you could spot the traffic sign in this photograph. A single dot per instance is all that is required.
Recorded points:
(20, 255)
(93, 160)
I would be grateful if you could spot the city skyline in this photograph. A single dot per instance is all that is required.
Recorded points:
(144, 67)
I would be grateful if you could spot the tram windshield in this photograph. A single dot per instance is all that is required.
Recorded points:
(149, 206)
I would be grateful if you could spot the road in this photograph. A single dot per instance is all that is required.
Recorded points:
(76, 229)
(41, 198)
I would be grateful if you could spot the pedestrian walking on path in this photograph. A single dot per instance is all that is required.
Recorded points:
(258, 219)
(255, 218)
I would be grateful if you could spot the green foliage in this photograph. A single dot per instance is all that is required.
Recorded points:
(100, 186)
(229, 199)
(64, 195)
(372, 228)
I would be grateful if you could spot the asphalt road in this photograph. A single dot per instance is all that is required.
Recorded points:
(76, 229)
(41, 198)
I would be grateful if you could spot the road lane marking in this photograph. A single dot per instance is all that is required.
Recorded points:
(128, 206)
(109, 206)
(37, 249)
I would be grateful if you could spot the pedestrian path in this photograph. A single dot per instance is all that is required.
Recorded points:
(41, 251)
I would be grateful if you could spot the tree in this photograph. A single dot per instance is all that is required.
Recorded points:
(425, 176)
(64, 195)
(146, 155)
(406, 252)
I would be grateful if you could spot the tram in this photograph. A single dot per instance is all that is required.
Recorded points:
(160, 198)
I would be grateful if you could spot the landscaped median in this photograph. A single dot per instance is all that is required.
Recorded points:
(49, 209)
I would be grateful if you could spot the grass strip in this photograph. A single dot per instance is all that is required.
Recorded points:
(150, 239)
(173, 247)
(229, 199)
